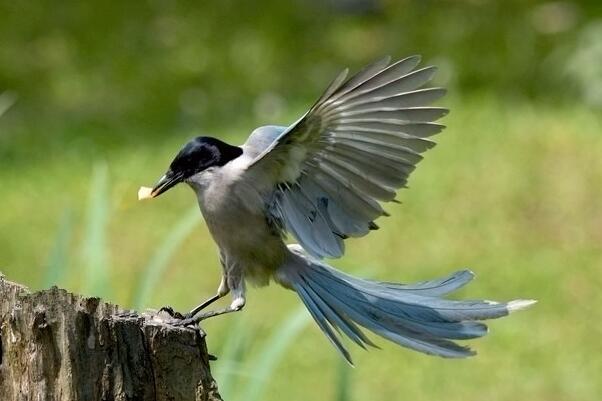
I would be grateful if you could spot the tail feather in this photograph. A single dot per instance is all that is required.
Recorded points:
(401, 334)
(435, 288)
(400, 303)
(411, 315)
(337, 320)
(321, 319)
(449, 330)
(401, 330)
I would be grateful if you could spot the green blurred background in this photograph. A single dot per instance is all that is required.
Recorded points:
(96, 97)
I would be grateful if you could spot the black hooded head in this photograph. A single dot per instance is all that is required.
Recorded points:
(201, 153)
(197, 155)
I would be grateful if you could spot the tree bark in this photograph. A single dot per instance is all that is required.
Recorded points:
(59, 346)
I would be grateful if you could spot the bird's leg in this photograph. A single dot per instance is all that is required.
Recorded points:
(202, 306)
(236, 305)
(221, 291)
(237, 286)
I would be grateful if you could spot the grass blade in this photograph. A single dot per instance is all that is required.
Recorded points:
(96, 280)
(271, 354)
(7, 99)
(58, 259)
(151, 274)
(344, 381)
(229, 366)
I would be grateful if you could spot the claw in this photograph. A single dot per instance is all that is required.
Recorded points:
(171, 312)
(183, 322)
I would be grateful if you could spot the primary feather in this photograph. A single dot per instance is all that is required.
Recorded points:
(355, 147)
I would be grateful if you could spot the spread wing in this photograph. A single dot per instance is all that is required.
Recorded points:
(352, 150)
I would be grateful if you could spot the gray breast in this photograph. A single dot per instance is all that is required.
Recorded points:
(234, 211)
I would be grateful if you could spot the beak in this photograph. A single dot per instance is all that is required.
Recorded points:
(166, 182)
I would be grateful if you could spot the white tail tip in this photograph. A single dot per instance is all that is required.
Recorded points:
(520, 304)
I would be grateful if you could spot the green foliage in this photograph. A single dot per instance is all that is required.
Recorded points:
(159, 64)
(231, 367)
(274, 348)
(159, 261)
(6, 101)
(246, 377)
(343, 382)
(94, 247)
(58, 260)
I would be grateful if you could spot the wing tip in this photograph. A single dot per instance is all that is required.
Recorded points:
(415, 57)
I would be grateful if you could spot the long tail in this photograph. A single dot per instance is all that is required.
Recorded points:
(411, 315)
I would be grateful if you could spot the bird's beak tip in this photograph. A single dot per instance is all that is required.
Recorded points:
(165, 183)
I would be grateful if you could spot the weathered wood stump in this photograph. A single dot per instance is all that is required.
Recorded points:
(59, 346)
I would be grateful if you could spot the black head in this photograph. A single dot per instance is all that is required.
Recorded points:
(197, 155)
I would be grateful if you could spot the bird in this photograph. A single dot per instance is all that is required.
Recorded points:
(322, 180)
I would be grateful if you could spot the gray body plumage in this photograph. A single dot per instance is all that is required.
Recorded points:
(322, 180)
(234, 209)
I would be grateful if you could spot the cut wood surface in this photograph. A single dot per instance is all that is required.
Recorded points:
(55, 345)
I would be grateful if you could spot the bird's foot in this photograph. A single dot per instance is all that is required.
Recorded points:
(178, 319)
(172, 313)
(185, 321)
(194, 320)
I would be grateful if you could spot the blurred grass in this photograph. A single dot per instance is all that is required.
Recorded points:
(94, 248)
(150, 276)
(273, 350)
(344, 388)
(512, 191)
(231, 370)
(58, 259)
(165, 64)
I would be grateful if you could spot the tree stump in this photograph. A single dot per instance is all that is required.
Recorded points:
(59, 346)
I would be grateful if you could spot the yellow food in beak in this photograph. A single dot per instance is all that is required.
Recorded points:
(145, 193)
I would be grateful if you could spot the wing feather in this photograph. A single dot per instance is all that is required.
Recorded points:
(363, 180)
(395, 87)
(424, 114)
(365, 74)
(354, 148)
(417, 98)
(384, 77)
